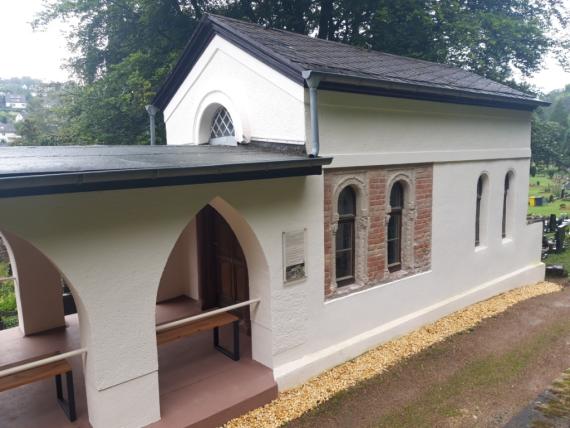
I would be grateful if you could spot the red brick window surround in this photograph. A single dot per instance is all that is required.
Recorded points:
(372, 187)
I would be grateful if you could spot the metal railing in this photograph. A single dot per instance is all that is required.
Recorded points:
(203, 315)
(162, 327)
(42, 362)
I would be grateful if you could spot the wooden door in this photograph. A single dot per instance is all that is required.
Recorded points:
(223, 269)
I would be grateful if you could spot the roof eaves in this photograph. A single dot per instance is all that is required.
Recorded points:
(373, 86)
(100, 180)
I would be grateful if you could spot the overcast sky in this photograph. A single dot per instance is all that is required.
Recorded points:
(41, 54)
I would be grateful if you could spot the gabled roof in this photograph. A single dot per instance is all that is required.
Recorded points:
(345, 68)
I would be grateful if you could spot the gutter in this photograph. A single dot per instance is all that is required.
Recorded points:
(99, 180)
(404, 89)
(313, 81)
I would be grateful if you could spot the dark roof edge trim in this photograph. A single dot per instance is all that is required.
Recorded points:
(129, 179)
(339, 83)
(149, 183)
(207, 28)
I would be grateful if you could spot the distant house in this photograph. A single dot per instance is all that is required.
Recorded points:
(19, 117)
(16, 102)
(8, 133)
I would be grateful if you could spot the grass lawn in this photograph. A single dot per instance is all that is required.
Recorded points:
(559, 259)
(542, 185)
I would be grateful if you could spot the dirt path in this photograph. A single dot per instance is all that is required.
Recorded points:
(481, 378)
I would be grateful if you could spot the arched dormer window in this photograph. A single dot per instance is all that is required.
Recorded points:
(394, 236)
(222, 129)
(345, 237)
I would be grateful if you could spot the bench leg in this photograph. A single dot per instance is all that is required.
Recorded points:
(69, 405)
(235, 354)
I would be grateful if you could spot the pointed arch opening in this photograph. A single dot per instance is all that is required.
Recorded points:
(216, 263)
(48, 318)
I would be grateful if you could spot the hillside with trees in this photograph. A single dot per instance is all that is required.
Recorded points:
(551, 130)
(124, 49)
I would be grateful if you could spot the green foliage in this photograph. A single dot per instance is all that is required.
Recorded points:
(489, 37)
(550, 138)
(7, 295)
(533, 170)
(19, 85)
(123, 49)
(548, 143)
(44, 120)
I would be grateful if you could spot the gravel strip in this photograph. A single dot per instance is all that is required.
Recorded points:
(292, 403)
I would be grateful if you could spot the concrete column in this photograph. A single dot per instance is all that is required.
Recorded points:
(38, 287)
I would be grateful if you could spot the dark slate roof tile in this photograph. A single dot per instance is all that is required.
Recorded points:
(322, 55)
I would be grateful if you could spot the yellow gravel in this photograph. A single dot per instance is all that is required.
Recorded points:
(292, 403)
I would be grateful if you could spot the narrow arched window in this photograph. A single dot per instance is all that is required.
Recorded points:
(505, 204)
(222, 130)
(345, 237)
(395, 227)
(478, 211)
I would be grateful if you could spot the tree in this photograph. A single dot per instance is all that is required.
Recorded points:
(123, 49)
(546, 143)
(44, 122)
(490, 37)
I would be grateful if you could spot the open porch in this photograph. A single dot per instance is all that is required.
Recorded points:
(199, 386)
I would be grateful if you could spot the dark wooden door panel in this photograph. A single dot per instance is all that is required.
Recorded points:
(223, 269)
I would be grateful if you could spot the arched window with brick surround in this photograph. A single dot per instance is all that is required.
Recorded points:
(346, 237)
(394, 232)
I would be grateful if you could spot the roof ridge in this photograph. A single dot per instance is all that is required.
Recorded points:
(508, 89)
(349, 67)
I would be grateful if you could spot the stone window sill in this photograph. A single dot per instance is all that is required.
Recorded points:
(356, 288)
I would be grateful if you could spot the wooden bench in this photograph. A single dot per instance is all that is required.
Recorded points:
(54, 369)
(214, 322)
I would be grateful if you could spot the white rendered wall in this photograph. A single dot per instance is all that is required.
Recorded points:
(264, 104)
(462, 142)
(180, 276)
(125, 239)
(374, 130)
(461, 274)
(38, 287)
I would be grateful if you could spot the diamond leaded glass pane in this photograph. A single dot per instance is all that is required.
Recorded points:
(222, 125)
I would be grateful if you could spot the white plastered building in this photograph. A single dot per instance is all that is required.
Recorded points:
(352, 195)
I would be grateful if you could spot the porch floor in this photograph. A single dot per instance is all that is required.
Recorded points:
(199, 386)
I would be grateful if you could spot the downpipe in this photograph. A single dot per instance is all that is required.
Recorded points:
(313, 81)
